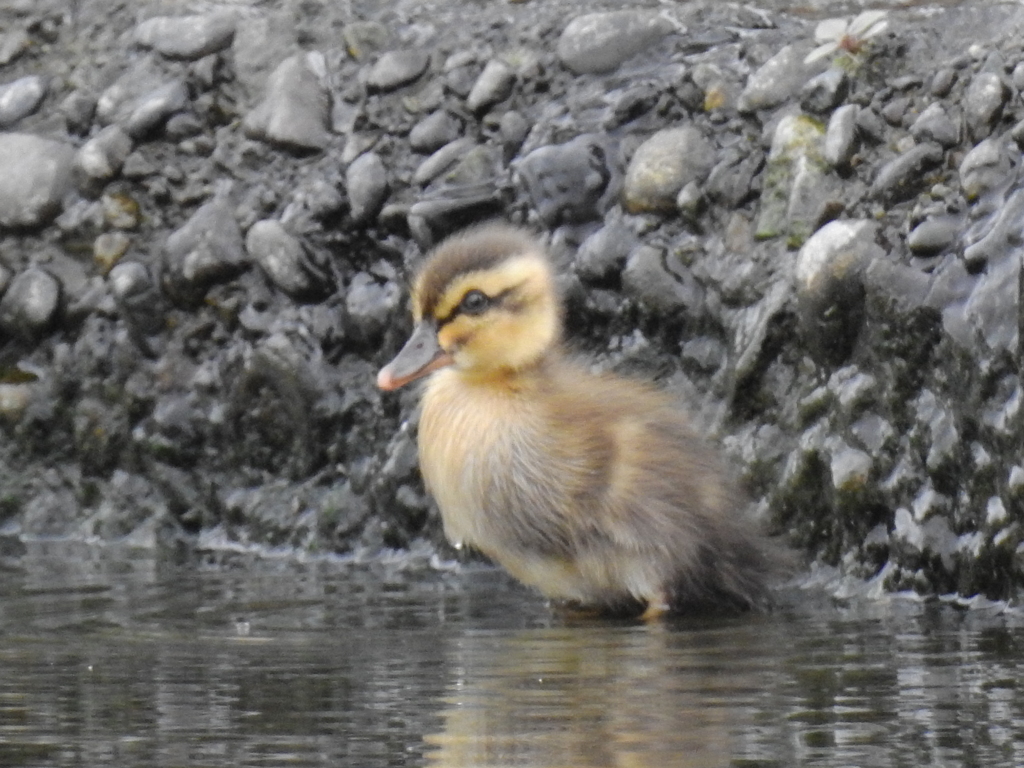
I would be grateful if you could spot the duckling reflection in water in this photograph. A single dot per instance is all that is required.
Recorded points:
(592, 488)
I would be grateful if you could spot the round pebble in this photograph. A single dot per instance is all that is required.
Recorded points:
(663, 165)
(601, 42)
(30, 303)
(37, 175)
(296, 109)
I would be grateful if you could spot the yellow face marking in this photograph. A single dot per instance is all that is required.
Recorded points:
(528, 269)
(504, 336)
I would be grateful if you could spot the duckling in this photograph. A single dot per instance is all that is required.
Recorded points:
(593, 488)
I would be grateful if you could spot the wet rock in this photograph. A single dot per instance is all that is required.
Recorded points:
(851, 469)
(778, 79)
(796, 196)
(78, 108)
(367, 183)
(830, 287)
(942, 82)
(141, 100)
(602, 256)
(841, 136)
(30, 304)
(495, 84)
(569, 182)
(513, 128)
(600, 42)
(999, 237)
(14, 400)
(647, 279)
(153, 110)
(397, 68)
(261, 43)
(434, 131)
(985, 169)
(442, 160)
(207, 249)
(933, 235)
(108, 248)
(983, 103)
(37, 175)
(935, 125)
(138, 298)
(20, 99)
(663, 165)
(371, 305)
(187, 37)
(296, 109)
(283, 259)
(12, 45)
(363, 38)
(102, 156)
(994, 306)
(941, 427)
(825, 91)
(902, 177)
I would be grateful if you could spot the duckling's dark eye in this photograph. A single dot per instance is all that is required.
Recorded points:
(474, 302)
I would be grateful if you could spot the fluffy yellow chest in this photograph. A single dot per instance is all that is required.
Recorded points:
(467, 434)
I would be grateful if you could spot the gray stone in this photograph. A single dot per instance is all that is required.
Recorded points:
(367, 183)
(841, 136)
(602, 255)
(30, 303)
(514, 128)
(993, 308)
(102, 156)
(934, 125)
(442, 160)
(20, 99)
(434, 131)
(571, 182)
(138, 298)
(153, 109)
(371, 305)
(261, 42)
(397, 68)
(1000, 235)
(902, 177)
(986, 168)
(141, 99)
(206, 250)
(851, 469)
(297, 106)
(648, 280)
(942, 82)
(187, 37)
(796, 195)
(12, 45)
(825, 91)
(778, 79)
(494, 84)
(600, 42)
(933, 235)
(663, 165)
(830, 286)
(281, 257)
(36, 176)
(983, 103)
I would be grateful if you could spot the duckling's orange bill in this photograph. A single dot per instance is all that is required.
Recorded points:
(420, 355)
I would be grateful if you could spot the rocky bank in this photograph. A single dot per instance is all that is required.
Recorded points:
(209, 212)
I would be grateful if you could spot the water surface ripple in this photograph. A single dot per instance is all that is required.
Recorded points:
(121, 658)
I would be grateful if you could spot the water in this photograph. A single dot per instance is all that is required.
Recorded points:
(111, 657)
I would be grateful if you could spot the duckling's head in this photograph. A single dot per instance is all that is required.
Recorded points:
(485, 302)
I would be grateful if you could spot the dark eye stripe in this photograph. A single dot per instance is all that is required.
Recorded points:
(462, 309)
